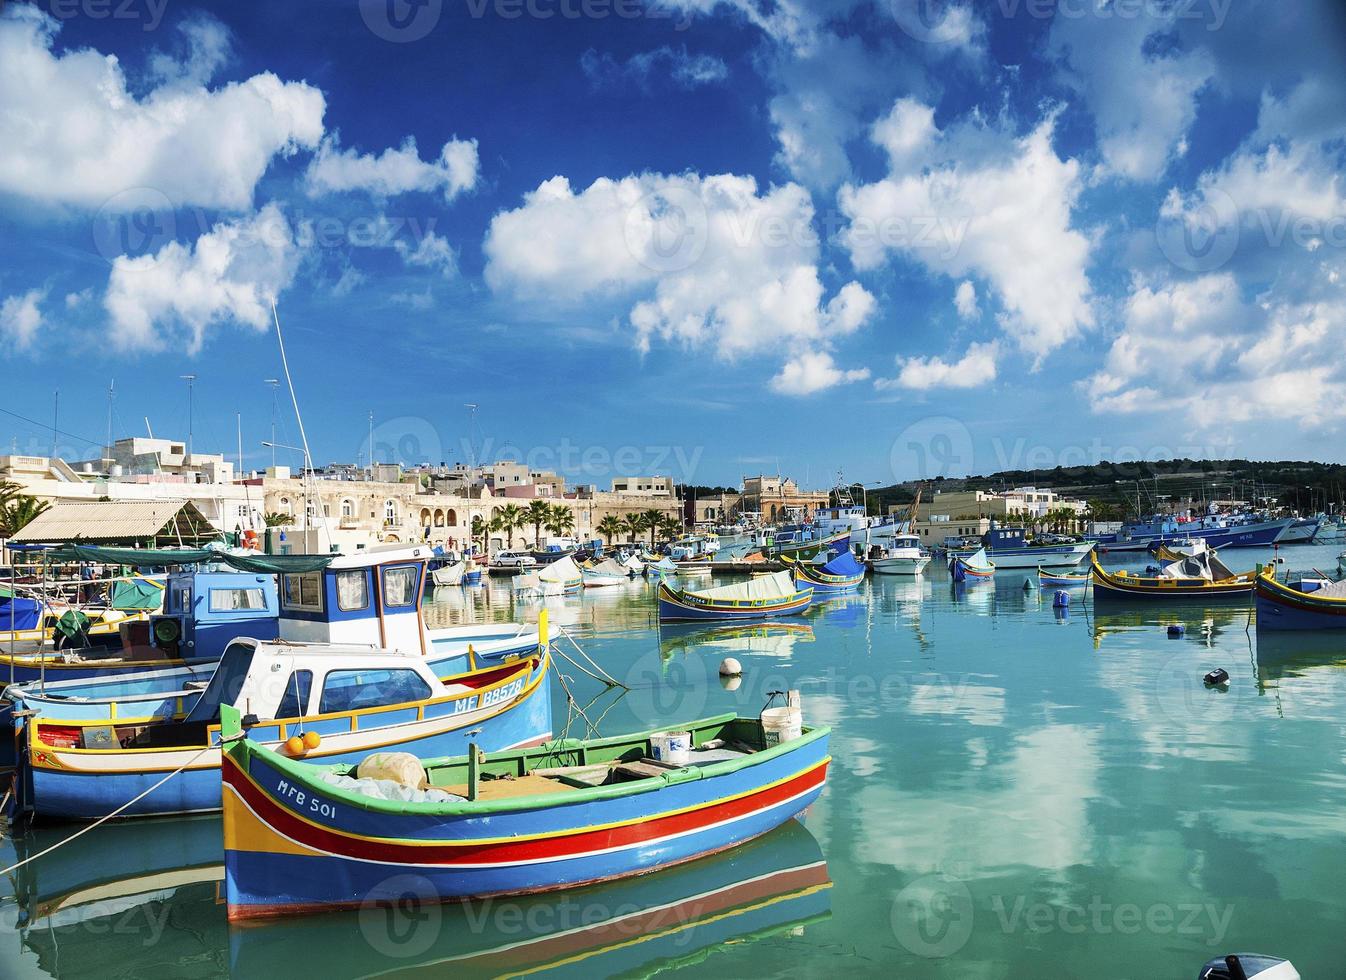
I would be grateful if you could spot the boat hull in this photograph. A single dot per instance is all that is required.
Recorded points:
(1280, 607)
(293, 847)
(1260, 535)
(1135, 588)
(1062, 556)
(86, 784)
(899, 566)
(676, 605)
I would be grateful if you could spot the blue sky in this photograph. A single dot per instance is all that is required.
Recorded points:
(705, 237)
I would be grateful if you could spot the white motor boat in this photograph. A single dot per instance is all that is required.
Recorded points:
(903, 557)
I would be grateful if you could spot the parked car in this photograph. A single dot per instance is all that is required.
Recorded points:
(513, 559)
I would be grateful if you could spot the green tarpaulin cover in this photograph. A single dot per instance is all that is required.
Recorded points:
(137, 594)
(162, 557)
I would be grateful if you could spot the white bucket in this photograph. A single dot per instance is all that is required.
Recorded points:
(781, 725)
(675, 748)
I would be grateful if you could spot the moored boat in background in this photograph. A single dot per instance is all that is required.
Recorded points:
(761, 597)
(1283, 607)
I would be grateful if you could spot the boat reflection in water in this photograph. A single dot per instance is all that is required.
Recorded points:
(133, 892)
(151, 894)
(1205, 623)
(733, 640)
(776, 884)
(1305, 672)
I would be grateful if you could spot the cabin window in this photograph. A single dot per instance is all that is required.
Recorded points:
(303, 591)
(351, 690)
(352, 590)
(399, 586)
(232, 600)
(297, 689)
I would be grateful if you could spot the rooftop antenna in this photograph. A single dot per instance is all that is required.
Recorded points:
(190, 379)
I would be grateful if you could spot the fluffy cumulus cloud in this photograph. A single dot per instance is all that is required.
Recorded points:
(648, 69)
(1197, 347)
(232, 274)
(813, 371)
(706, 261)
(1139, 85)
(965, 300)
(72, 132)
(21, 318)
(395, 171)
(977, 201)
(976, 367)
(429, 252)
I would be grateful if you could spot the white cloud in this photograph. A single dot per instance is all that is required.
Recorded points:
(1142, 95)
(976, 367)
(646, 69)
(75, 300)
(977, 200)
(209, 47)
(965, 300)
(231, 275)
(431, 252)
(706, 260)
(71, 132)
(20, 318)
(813, 371)
(394, 171)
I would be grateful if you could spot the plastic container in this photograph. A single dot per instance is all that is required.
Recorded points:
(781, 725)
(675, 748)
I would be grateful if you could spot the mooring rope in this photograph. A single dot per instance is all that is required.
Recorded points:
(602, 674)
(129, 803)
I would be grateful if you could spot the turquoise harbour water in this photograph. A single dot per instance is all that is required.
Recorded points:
(1015, 792)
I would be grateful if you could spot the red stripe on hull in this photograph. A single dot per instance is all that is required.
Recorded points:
(558, 846)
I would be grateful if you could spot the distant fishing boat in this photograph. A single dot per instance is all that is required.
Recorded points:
(656, 570)
(1218, 530)
(1008, 548)
(561, 577)
(975, 566)
(301, 838)
(1283, 607)
(842, 574)
(1193, 577)
(605, 574)
(1062, 580)
(759, 598)
(904, 556)
(449, 575)
(1302, 531)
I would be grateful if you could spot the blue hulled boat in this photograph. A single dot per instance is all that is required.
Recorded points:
(842, 574)
(761, 597)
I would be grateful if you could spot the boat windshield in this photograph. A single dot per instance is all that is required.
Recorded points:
(224, 684)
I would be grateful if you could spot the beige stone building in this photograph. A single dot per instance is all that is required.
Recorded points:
(778, 498)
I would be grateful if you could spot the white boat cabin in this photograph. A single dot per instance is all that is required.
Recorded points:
(370, 597)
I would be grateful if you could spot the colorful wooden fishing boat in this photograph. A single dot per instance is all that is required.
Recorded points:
(352, 699)
(1283, 607)
(842, 574)
(904, 556)
(975, 567)
(644, 926)
(1176, 581)
(605, 573)
(759, 598)
(567, 814)
(1057, 580)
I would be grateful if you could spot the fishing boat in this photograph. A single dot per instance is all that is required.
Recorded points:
(605, 574)
(1202, 577)
(1009, 548)
(449, 575)
(561, 577)
(1062, 580)
(805, 541)
(694, 547)
(327, 701)
(842, 574)
(661, 567)
(759, 598)
(1319, 605)
(632, 563)
(303, 838)
(642, 926)
(974, 567)
(1301, 531)
(1218, 530)
(904, 556)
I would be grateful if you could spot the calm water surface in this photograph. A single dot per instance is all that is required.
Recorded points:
(1016, 791)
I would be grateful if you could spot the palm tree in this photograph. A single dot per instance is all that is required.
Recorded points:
(536, 513)
(277, 519)
(670, 527)
(481, 528)
(650, 520)
(632, 524)
(17, 510)
(511, 518)
(560, 520)
(610, 527)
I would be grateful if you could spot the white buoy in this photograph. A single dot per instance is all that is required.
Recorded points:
(729, 667)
